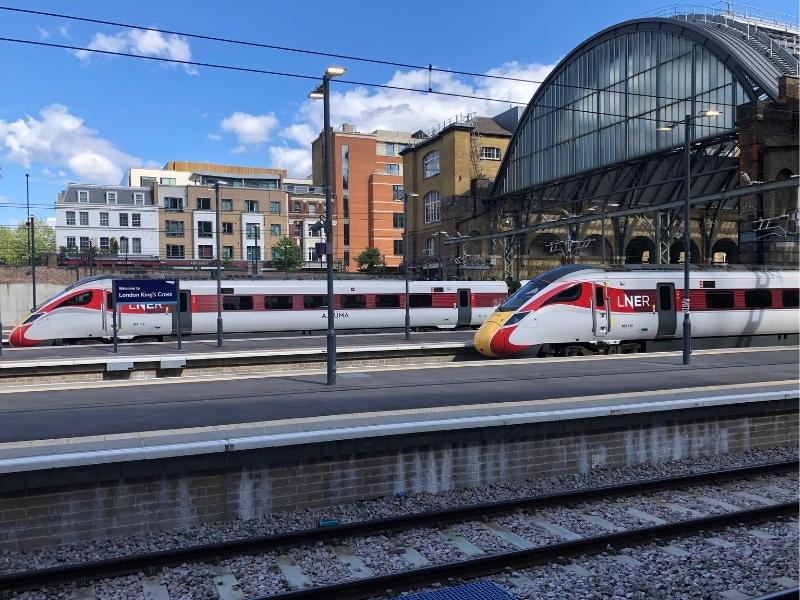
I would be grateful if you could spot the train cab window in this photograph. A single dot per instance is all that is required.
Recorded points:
(237, 303)
(354, 301)
(719, 299)
(387, 301)
(758, 298)
(79, 300)
(420, 300)
(109, 301)
(791, 298)
(570, 294)
(278, 302)
(310, 302)
(599, 296)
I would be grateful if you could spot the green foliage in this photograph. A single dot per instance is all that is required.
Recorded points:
(370, 259)
(286, 255)
(14, 249)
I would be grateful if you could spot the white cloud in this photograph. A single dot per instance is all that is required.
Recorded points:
(301, 133)
(62, 140)
(64, 31)
(43, 33)
(214, 136)
(249, 129)
(144, 42)
(297, 161)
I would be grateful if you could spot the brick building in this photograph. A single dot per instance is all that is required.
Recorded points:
(306, 207)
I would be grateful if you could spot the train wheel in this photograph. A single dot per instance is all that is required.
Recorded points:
(576, 351)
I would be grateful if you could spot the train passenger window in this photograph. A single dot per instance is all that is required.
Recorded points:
(387, 301)
(570, 294)
(758, 298)
(79, 300)
(354, 301)
(310, 302)
(278, 302)
(237, 303)
(420, 300)
(791, 298)
(719, 299)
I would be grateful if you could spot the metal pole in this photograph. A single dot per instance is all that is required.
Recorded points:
(687, 244)
(439, 254)
(603, 236)
(31, 242)
(114, 313)
(657, 232)
(405, 263)
(178, 313)
(219, 271)
(331, 335)
(33, 259)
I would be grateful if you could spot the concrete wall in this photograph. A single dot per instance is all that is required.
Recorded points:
(15, 299)
(86, 503)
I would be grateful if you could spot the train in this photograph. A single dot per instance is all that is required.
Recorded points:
(83, 312)
(577, 310)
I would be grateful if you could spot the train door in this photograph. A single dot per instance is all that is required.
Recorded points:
(601, 315)
(185, 307)
(464, 307)
(667, 319)
(106, 310)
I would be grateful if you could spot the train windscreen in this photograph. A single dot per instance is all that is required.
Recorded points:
(523, 294)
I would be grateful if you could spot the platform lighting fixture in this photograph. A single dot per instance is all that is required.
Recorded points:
(322, 92)
(687, 241)
(405, 258)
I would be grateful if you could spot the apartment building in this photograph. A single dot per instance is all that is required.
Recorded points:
(149, 177)
(367, 192)
(306, 204)
(111, 219)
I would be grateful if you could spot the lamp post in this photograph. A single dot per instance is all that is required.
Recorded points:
(687, 238)
(405, 258)
(31, 239)
(323, 92)
(219, 263)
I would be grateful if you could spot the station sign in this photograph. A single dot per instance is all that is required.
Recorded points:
(145, 291)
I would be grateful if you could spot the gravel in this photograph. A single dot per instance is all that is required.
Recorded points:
(431, 544)
(191, 582)
(257, 575)
(320, 564)
(380, 553)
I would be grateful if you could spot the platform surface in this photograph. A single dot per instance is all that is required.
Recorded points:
(211, 407)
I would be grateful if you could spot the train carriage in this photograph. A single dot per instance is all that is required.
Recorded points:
(579, 309)
(83, 311)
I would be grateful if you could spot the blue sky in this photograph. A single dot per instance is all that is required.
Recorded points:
(65, 117)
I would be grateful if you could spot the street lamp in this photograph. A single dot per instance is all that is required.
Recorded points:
(323, 92)
(687, 238)
(405, 258)
(31, 239)
(217, 185)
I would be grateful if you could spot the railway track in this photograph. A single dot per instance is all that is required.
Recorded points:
(361, 581)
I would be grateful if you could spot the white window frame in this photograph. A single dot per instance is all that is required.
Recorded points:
(272, 227)
(430, 248)
(432, 207)
(490, 153)
(138, 198)
(71, 244)
(127, 220)
(312, 208)
(430, 164)
(111, 197)
(123, 244)
(104, 217)
(80, 192)
(136, 220)
(134, 243)
(107, 244)
(87, 244)
(80, 218)
(388, 171)
(70, 213)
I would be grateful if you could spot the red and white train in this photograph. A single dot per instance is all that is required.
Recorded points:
(83, 311)
(579, 309)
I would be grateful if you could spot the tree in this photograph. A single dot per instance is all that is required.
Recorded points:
(370, 259)
(14, 244)
(286, 255)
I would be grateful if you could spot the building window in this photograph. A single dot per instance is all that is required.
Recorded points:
(167, 181)
(398, 220)
(138, 199)
(297, 207)
(392, 169)
(83, 218)
(251, 205)
(204, 229)
(298, 229)
(204, 204)
(431, 201)
(275, 229)
(252, 231)
(429, 247)
(227, 228)
(346, 229)
(173, 204)
(174, 228)
(103, 219)
(71, 217)
(397, 193)
(71, 242)
(430, 164)
(253, 253)
(123, 244)
(136, 220)
(111, 197)
(398, 248)
(123, 219)
(83, 196)
(312, 208)
(227, 253)
(85, 243)
(227, 205)
(146, 181)
(137, 245)
(488, 153)
(345, 167)
(205, 251)
(274, 207)
(174, 251)
(386, 149)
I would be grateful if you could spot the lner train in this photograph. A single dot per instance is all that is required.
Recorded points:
(580, 310)
(83, 312)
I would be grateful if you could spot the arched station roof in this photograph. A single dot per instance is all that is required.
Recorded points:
(602, 104)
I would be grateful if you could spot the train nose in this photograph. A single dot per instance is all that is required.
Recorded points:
(17, 337)
(487, 331)
(492, 337)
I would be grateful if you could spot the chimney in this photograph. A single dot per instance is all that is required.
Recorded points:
(348, 128)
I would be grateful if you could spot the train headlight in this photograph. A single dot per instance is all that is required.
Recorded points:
(514, 319)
